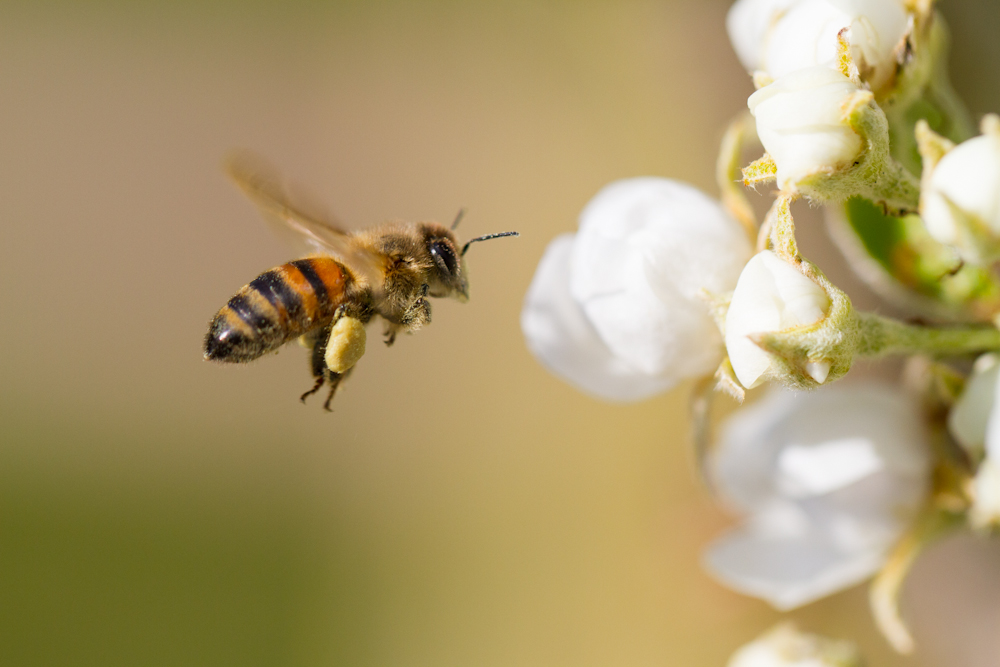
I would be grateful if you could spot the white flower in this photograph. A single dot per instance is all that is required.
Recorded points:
(781, 36)
(974, 421)
(986, 494)
(786, 646)
(619, 309)
(828, 481)
(961, 199)
(749, 24)
(970, 419)
(801, 123)
(563, 339)
(771, 295)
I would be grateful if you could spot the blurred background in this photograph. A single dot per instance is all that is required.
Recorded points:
(461, 506)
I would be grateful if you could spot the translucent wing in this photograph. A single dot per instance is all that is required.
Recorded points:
(306, 232)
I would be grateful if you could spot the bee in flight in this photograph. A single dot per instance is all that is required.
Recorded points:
(326, 298)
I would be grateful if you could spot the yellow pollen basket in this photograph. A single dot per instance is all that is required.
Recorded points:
(346, 345)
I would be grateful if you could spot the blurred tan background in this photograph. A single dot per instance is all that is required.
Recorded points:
(461, 506)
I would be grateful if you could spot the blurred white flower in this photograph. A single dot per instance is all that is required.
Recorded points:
(974, 421)
(828, 481)
(801, 123)
(985, 509)
(619, 310)
(771, 295)
(781, 36)
(960, 203)
(969, 419)
(786, 646)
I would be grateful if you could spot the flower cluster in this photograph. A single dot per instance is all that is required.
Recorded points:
(662, 283)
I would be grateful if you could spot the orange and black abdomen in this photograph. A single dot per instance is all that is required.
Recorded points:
(276, 307)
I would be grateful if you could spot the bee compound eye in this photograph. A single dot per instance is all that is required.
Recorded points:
(444, 257)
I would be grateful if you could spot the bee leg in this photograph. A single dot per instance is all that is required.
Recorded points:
(391, 329)
(418, 313)
(334, 379)
(319, 383)
(317, 360)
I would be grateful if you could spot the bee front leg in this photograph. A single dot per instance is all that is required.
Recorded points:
(391, 329)
(418, 312)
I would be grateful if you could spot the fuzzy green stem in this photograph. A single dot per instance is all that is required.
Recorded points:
(881, 336)
(896, 188)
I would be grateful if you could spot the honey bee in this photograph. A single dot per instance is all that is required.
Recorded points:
(326, 298)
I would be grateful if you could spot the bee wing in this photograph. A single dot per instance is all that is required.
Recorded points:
(307, 233)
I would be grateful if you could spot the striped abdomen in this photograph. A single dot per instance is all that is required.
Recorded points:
(277, 306)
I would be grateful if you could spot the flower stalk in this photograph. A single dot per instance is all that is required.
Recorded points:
(883, 336)
(888, 583)
(728, 173)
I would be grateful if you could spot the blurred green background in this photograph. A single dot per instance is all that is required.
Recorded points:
(461, 506)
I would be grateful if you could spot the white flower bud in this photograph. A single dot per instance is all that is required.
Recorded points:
(780, 37)
(960, 203)
(802, 125)
(770, 295)
(828, 480)
(786, 646)
(619, 310)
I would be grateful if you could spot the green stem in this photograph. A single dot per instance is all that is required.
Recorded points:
(881, 336)
(896, 188)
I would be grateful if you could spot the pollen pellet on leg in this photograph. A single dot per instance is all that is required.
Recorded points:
(346, 344)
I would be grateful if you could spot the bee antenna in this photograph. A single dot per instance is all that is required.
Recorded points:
(498, 235)
(458, 218)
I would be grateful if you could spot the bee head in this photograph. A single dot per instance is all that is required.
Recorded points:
(449, 262)
(448, 276)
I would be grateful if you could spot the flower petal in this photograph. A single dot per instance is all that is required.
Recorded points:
(647, 250)
(970, 415)
(964, 186)
(752, 466)
(748, 24)
(788, 568)
(828, 481)
(800, 125)
(560, 336)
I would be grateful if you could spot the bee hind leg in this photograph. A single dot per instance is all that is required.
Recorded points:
(334, 379)
(319, 384)
(317, 359)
